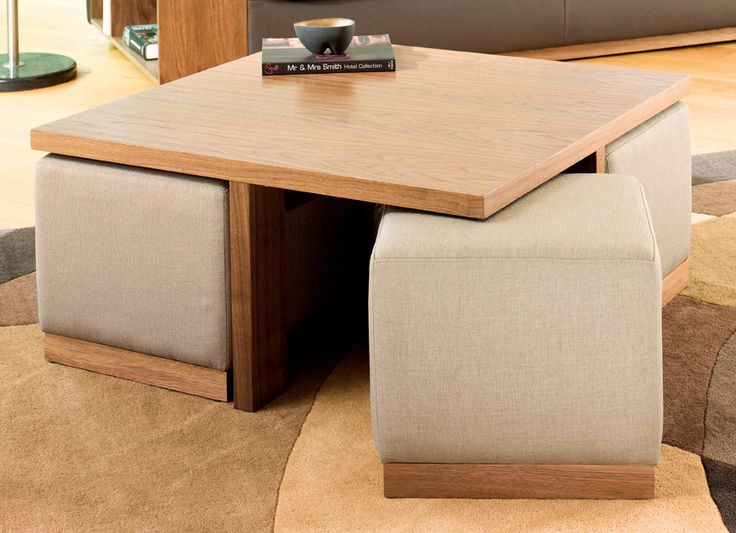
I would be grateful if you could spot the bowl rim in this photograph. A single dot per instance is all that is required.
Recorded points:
(338, 22)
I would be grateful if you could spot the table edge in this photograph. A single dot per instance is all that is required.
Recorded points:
(478, 206)
(309, 181)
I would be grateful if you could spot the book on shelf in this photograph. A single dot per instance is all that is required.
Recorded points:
(142, 39)
(366, 53)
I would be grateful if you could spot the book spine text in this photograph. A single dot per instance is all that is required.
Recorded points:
(282, 69)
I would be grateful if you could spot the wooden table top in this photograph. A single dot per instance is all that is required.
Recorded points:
(449, 132)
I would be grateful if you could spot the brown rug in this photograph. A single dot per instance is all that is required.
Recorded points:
(692, 337)
(333, 482)
(715, 199)
(17, 253)
(18, 297)
(86, 452)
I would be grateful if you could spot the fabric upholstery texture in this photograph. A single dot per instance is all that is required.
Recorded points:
(603, 20)
(531, 337)
(496, 25)
(477, 26)
(658, 153)
(333, 479)
(135, 259)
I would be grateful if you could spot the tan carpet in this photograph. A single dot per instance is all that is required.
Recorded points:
(18, 301)
(333, 483)
(717, 198)
(712, 264)
(86, 452)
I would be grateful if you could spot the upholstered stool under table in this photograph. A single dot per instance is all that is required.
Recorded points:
(657, 152)
(134, 278)
(133, 273)
(520, 356)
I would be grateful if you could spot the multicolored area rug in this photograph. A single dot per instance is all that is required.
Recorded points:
(81, 451)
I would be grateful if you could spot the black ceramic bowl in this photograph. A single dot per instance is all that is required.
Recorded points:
(320, 34)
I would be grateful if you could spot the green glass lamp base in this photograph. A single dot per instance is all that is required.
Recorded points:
(36, 70)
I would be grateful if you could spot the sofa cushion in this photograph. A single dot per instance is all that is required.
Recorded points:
(605, 20)
(470, 25)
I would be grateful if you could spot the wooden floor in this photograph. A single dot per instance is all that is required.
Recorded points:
(60, 26)
(712, 101)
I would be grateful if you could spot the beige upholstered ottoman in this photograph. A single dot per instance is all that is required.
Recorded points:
(132, 263)
(658, 153)
(133, 270)
(520, 356)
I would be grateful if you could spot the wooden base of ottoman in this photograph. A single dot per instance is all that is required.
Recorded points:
(143, 368)
(415, 480)
(675, 282)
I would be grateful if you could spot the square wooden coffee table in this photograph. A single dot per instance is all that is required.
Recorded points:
(450, 132)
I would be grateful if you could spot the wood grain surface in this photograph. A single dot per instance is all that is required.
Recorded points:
(129, 12)
(450, 132)
(625, 46)
(143, 368)
(123, 13)
(410, 480)
(195, 35)
(257, 254)
(674, 282)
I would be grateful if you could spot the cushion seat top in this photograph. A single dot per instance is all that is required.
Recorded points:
(573, 216)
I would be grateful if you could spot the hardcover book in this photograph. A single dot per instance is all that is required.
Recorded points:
(367, 53)
(142, 39)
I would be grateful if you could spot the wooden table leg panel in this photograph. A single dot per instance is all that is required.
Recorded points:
(257, 251)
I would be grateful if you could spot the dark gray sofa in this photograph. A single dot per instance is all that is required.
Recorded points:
(496, 25)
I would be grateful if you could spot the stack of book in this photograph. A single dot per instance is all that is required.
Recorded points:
(142, 39)
(367, 53)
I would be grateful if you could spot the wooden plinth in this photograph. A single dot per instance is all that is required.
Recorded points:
(627, 46)
(413, 480)
(675, 282)
(144, 368)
